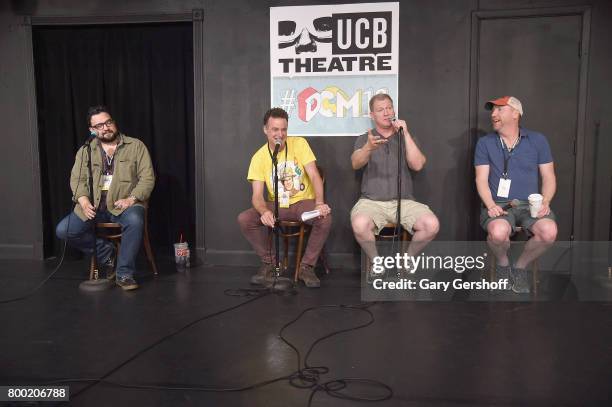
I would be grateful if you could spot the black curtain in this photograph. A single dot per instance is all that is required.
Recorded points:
(144, 74)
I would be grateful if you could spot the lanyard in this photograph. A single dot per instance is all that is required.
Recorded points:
(107, 161)
(510, 153)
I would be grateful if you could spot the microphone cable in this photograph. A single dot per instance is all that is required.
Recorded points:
(61, 261)
(33, 290)
(304, 377)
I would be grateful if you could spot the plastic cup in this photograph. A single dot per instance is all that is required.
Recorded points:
(535, 204)
(181, 255)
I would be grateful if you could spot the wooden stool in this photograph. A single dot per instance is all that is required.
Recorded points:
(299, 229)
(112, 232)
(405, 236)
(390, 234)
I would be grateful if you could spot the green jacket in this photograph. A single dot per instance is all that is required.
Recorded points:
(132, 175)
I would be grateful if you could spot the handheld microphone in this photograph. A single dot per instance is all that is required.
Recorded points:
(394, 119)
(512, 204)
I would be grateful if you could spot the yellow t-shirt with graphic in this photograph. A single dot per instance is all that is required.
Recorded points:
(293, 180)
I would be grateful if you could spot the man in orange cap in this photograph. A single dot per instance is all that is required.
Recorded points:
(509, 163)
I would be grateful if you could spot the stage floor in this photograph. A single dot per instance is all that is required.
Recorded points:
(429, 353)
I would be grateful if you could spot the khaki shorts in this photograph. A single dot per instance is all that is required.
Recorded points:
(383, 212)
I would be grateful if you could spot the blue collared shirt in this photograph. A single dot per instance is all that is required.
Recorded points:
(532, 150)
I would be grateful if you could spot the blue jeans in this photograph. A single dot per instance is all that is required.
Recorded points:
(81, 237)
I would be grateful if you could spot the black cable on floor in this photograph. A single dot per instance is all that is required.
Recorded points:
(244, 292)
(61, 262)
(309, 376)
(162, 339)
(33, 290)
(306, 377)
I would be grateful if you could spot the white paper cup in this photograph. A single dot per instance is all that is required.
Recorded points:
(535, 204)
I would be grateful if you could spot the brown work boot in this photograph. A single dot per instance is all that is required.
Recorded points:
(308, 276)
(263, 275)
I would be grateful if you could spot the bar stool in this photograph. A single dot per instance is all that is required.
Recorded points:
(112, 232)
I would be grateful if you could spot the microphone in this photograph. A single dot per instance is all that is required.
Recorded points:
(92, 134)
(393, 120)
(277, 144)
(512, 204)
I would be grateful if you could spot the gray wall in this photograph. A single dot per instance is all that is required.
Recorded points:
(435, 40)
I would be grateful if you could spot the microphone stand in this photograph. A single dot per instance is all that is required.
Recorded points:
(276, 221)
(280, 284)
(398, 225)
(95, 284)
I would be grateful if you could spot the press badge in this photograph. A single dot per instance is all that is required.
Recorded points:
(503, 190)
(284, 200)
(106, 182)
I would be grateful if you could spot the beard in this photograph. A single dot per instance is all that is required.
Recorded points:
(108, 137)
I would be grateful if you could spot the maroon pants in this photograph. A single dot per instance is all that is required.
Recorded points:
(258, 234)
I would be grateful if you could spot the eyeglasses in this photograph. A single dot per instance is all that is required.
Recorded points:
(100, 126)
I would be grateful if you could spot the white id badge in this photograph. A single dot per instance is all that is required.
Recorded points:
(284, 200)
(106, 181)
(504, 188)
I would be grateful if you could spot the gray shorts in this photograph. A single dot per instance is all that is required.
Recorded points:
(516, 217)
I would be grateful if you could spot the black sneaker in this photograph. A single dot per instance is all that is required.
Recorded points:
(263, 275)
(372, 275)
(504, 273)
(520, 279)
(127, 283)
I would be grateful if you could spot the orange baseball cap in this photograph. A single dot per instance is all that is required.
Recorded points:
(505, 101)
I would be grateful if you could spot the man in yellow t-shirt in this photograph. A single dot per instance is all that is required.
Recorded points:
(300, 189)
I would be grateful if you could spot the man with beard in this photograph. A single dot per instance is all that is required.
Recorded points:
(509, 162)
(122, 182)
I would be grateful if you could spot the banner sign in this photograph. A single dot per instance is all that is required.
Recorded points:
(326, 62)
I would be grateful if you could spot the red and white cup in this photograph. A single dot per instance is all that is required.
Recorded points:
(181, 255)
